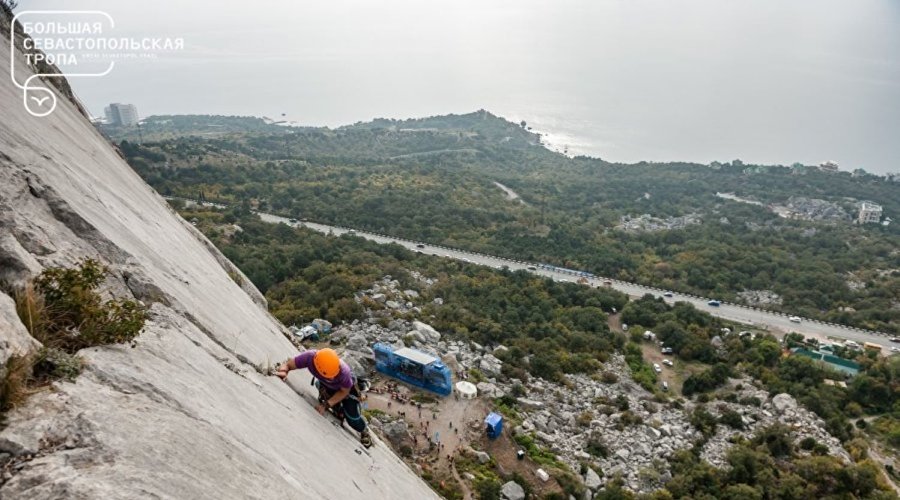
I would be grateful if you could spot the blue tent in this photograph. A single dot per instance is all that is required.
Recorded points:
(494, 425)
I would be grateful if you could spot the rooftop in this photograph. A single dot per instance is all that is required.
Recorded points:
(417, 356)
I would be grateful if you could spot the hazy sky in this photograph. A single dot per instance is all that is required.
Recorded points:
(769, 81)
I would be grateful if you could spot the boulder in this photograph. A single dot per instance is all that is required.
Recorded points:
(392, 304)
(397, 432)
(379, 297)
(428, 331)
(531, 403)
(482, 457)
(357, 341)
(488, 390)
(784, 402)
(411, 294)
(542, 475)
(592, 479)
(14, 338)
(490, 365)
(512, 491)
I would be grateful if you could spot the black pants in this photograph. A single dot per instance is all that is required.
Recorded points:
(348, 407)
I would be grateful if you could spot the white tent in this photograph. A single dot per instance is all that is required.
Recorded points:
(466, 389)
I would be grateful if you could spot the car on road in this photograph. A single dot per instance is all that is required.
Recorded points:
(665, 385)
(293, 221)
(794, 319)
(667, 294)
(895, 339)
(657, 368)
(895, 348)
(668, 362)
(532, 268)
(352, 231)
(714, 303)
(420, 246)
(667, 350)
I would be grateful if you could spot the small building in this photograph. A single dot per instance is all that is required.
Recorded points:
(493, 424)
(413, 367)
(869, 213)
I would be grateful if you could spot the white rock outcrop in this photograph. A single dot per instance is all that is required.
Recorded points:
(186, 413)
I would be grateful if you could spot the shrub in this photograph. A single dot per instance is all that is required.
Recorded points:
(751, 401)
(518, 390)
(14, 382)
(732, 419)
(54, 364)
(488, 489)
(808, 443)
(609, 378)
(703, 421)
(777, 439)
(706, 380)
(629, 418)
(595, 446)
(584, 418)
(63, 310)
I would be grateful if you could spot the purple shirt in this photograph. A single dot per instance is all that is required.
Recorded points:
(343, 380)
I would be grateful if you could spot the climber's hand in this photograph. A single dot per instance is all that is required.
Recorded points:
(282, 371)
(321, 409)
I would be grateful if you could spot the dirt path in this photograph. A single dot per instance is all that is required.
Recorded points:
(467, 494)
(653, 355)
(876, 455)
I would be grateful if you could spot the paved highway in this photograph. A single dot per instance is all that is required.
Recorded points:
(776, 323)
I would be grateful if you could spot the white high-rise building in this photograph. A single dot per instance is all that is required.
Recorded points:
(125, 115)
(869, 213)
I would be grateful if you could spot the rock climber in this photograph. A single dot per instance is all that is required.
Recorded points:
(337, 386)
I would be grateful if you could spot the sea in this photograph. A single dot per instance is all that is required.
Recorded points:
(763, 81)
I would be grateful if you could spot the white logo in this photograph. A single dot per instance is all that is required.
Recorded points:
(39, 100)
(73, 38)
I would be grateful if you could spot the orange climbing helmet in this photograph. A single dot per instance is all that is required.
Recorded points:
(327, 363)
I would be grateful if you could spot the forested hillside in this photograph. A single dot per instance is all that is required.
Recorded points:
(662, 224)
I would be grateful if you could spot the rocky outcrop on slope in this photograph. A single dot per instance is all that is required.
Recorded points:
(619, 427)
(188, 412)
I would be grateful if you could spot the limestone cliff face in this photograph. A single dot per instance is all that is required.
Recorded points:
(185, 413)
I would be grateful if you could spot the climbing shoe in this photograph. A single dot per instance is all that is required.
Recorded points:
(365, 438)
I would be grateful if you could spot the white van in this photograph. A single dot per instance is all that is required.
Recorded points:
(794, 319)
